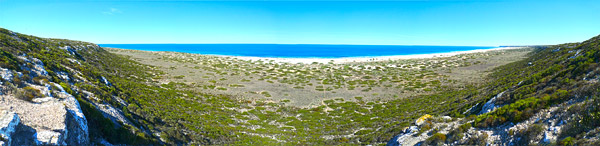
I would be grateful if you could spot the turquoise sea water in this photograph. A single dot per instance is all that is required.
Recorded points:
(297, 51)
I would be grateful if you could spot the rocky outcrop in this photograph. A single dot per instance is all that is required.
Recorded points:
(105, 81)
(8, 125)
(114, 114)
(53, 122)
(53, 119)
(550, 120)
(406, 137)
(416, 135)
(490, 105)
(39, 89)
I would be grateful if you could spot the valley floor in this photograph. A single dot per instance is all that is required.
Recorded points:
(303, 84)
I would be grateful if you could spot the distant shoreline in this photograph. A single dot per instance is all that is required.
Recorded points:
(297, 51)
(346, 59)
(365, 58)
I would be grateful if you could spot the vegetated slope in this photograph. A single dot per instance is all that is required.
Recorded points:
(118, 96)
(153, 113)
(74, 68)
(148, 112)
(552, 97)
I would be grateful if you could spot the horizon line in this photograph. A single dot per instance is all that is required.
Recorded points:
(301, 44)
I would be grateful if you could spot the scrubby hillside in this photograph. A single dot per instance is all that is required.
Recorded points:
(123, 104)
(41, 77)
(552, 97)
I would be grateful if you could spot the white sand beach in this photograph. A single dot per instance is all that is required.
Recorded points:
(364, 59)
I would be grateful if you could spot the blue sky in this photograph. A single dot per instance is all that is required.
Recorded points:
(443, 22)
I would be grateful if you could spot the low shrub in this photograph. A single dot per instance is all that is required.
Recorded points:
(436, 139)
(569, 141)
(28, 93)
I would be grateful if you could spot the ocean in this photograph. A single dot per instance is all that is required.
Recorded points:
(297, 50)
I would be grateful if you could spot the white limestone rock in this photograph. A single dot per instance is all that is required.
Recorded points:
(8, 126)
(114, 114)
(105, 81)
(38, 67)
(69, 49)
(6, 74)
(63, 75)
(404, 138)
(490, 105)
(51, 121)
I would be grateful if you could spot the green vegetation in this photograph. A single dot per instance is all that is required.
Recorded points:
(265, 93)
(585, 125)
(436, 139)
(192, 117)
(553, 76)
(28, 93)
(99, 126)
(382, 80)
(547, 78)
(201, 113)
(62, 56)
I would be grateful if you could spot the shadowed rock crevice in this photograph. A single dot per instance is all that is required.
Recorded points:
(24, 135)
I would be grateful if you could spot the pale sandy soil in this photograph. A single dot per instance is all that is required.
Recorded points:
(304, 83)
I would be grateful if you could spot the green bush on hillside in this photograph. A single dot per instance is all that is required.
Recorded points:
(28, 93)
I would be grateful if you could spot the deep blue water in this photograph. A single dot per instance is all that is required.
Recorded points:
(296, 51)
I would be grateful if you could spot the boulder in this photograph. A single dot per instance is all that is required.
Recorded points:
(8, 125)
(51, 122)
(405, 138)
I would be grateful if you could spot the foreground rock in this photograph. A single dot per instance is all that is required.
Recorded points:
(55, 121)
(425, 125)
(8, 125)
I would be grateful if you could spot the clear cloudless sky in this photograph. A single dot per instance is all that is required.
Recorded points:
(428, 22)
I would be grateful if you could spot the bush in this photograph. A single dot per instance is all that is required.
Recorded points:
(28, 93)
(569, 141)
(9, 88)
(265, 93)
(589, 115)
(40, 80)
(102, 127)
(529, 134)
(436, 139)
(17, 81)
